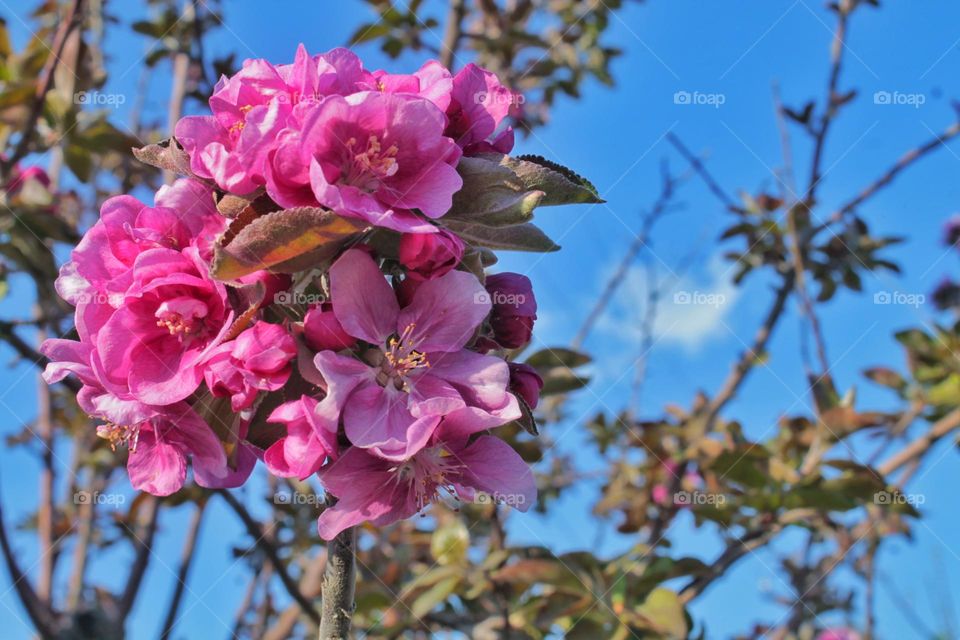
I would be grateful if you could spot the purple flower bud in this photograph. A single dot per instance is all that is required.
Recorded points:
(525, 382)
(514, 309)
(323, 332)
(430, 255)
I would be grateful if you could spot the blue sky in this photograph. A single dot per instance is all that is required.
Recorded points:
(616, 138)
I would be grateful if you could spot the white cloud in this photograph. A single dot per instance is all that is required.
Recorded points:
(691, 309)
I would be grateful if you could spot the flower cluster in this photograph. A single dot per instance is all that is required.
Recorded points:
(387, 381)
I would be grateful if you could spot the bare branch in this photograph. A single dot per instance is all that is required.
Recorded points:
(143, 541)
(183, 571)
(339, 584)
(262, 540)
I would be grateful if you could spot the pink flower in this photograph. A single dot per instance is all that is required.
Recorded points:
(253, 106)
(371, 489)
(258, 360)
(479, 104)
(430, 255)
(184, 215)
(838, 633)
(373, 156)
(431, 81)
(514, 309)
(393, 394)
(307, 443)
(161, 445)
(322, 330)
(526, 383)
(154, 339)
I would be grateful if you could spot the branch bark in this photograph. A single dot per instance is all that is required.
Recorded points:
(339, 584)
(183, 572)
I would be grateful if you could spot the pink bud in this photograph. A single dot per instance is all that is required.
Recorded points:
(525, 382)
(514, 309)
(430, 255)
(273, 283)
(323, 332)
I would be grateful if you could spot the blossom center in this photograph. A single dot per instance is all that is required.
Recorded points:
(401, 358)
(366, 167)
(182, 316)
(428, 472)
(119, 435)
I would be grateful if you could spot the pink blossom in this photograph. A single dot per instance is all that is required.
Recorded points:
(838, 633)
(253, 106)
(258, 360)
(393, 394)
(526, 383)
(184, 215)
(371, 489)
(514, 309)
(479, 104)
(432, 81)
(369, 155)
(306, 444)
(322, 330)
(430, 255)
(154, 340)
(161, 445)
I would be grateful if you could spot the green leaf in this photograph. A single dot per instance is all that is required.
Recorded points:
(558, 357)
(560, 184)
(169, 156)
(434, 596)
(521, 237)
(450, 543)
(492, 195)
(270, 240)
(664, 610)
(369, 31)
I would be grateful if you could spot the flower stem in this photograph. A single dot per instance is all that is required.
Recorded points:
(339, 582)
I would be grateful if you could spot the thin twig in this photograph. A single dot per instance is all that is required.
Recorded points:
(902, 163)
(70, 21)
(143, 542)
(262, 540)
(452, 33)
(701, 170)
(39, 612)
(918, 447)
(183, 572)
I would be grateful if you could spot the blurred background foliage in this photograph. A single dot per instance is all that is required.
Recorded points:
(457, 571)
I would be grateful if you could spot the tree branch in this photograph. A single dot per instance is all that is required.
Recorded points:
(339, 584)
(452, 33)
(261, 539)
(186, 560)
(143, 543)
